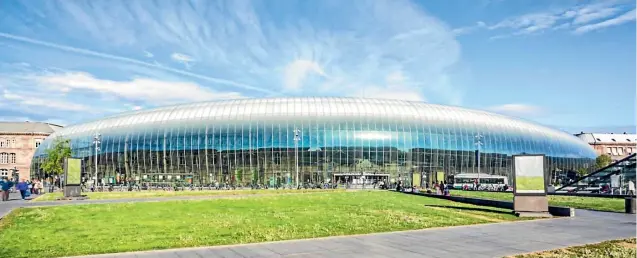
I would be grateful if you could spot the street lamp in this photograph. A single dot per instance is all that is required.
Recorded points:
(478, 143)
(297, 137)
(96, 141)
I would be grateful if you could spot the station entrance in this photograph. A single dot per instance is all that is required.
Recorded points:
(360, 179)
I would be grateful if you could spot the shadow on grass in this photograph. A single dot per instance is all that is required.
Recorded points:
(468, 208)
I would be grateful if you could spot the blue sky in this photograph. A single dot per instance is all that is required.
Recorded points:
(567, 64)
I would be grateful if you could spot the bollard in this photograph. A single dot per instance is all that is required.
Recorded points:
(629, 204)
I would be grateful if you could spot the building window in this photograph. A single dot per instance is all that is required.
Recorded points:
(12, 158)
(620, 151)
(2, 143)
(8, 143)
(38, 142)
(609, 151)
(4, 158)
(4, 172)
(614, 151)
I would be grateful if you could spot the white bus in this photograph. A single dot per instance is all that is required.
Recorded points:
(487, 182)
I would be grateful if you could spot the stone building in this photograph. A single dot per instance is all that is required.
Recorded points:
(18, 141)
(617, 146)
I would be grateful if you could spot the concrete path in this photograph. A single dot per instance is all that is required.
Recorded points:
(489, 240)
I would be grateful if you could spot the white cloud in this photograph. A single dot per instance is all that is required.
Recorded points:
(251, 48)
(240, 40)
(143, 89)
(624, 18)
(578, 17)
(587, 15)
(181, 58)
(137, 108)
(39, 101)
(148, 54)
(121, 59)
(469, 29)
(519, 110)
(396, 86)
(297, 71)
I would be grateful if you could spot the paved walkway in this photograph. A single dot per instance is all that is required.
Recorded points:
(488, 240)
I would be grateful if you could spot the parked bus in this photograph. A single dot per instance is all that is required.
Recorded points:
(487, 182)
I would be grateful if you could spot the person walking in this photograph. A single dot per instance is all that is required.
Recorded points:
(631, 187)
(5, 187)
(23, 187)
(39, 185)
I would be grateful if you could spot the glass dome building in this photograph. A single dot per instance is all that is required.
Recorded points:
(277, 141)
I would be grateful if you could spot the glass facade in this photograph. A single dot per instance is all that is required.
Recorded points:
(621, 172)
(266, 141)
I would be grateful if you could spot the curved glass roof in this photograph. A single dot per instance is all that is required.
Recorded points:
(329, 108)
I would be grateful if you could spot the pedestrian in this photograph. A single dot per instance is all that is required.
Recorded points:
(31, 186)
(40, 186)
(23, 187)
(631, 187)
(5, 186)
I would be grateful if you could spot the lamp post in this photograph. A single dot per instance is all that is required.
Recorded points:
(297, 137)
(478, 143)
(96, 141)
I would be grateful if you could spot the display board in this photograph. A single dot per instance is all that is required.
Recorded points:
(73, 171)
(529, 174)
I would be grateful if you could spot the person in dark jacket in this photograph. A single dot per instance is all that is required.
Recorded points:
(5, 186)
(23, 187)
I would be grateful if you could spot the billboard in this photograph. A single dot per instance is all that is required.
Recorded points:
(529, 174)
(73, 171)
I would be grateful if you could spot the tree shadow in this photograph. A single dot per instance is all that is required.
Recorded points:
(469, 209)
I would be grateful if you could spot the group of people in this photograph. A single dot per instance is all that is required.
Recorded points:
(25, 187)
(442, 188)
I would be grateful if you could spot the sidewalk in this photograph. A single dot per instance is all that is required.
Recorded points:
(487, 240)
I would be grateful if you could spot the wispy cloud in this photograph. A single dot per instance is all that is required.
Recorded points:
(135, 51)
(517, 109)
(128, 60)
(147, 90)
(182, 58)
(40, 102)
(256, 47)
(578, 19)
(297, 71)
(624, 18)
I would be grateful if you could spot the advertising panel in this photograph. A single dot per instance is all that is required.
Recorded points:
(529, 174)
(73, 169)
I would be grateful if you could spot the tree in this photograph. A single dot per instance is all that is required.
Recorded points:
(582, 172)
(54, 162)
(602, 161)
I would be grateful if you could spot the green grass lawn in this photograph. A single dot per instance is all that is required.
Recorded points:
(152, 194)
(624, 248)
(591, 203)
(106, 228)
